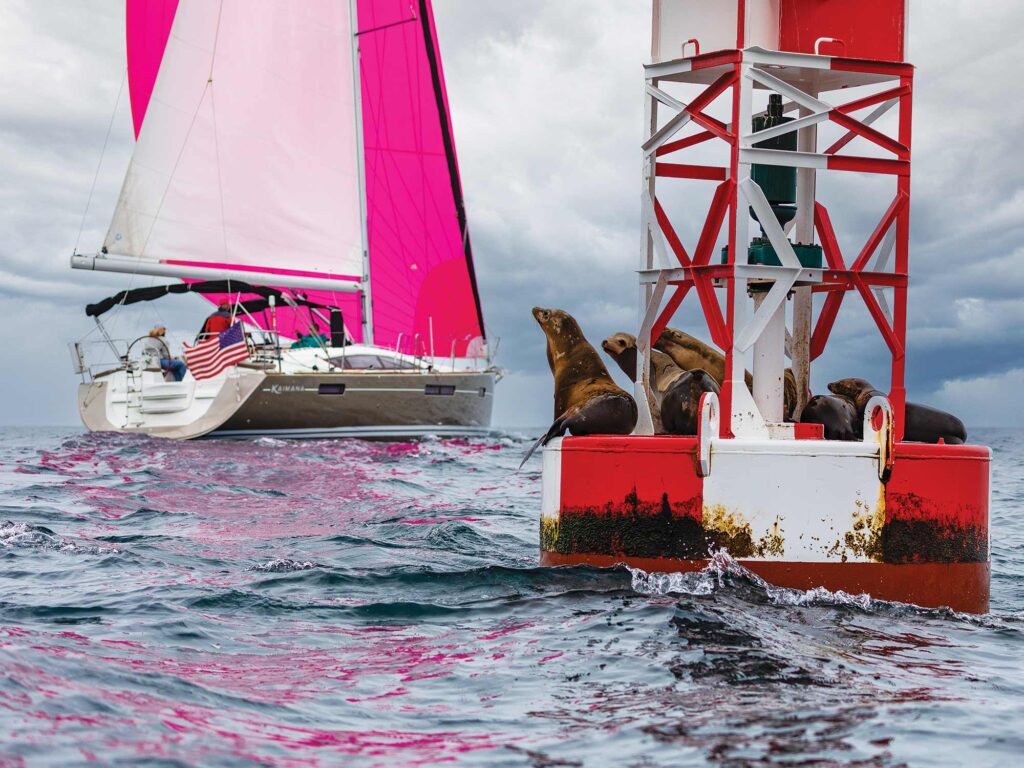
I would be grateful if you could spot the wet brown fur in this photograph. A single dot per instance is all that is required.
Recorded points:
(676, 391)
(922, 423)
(579, 372)
(837, 415)
(621, 347)
(857, 391)
(680, 404)
(691, 353)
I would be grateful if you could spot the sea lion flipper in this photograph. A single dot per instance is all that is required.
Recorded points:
(557, 429)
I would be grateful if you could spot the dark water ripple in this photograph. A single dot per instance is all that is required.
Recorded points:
(352, 603)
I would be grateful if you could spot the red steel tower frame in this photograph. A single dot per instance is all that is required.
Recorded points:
(801, 77)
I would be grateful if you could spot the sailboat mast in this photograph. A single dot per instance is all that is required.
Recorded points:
(367, 300)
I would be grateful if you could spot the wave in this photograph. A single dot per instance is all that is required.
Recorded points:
(37, 537)
(284, 565)
(724, 573)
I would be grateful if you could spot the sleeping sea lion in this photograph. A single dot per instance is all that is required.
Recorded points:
(690, 353)
(679, 393)
(837, 414)
(923, 424)
(587, 401)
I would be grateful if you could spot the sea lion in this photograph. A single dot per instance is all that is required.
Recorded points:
(621, 347)
(922, 423)
(679, 393)
(676, 406)
(587, 401)
(837, 414)
(691, 353)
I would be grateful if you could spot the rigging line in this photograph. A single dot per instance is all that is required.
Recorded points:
(99, 164)
(388, 26)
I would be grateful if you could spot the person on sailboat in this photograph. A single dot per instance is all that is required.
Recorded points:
(216, 323)
(155, 347)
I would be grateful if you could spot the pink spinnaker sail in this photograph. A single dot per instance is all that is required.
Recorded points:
(421, 265)
(423, 288)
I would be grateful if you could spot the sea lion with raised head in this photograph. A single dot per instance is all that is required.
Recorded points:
(587, 401)
(690, 353)
(677, 393)
(837, 415)
(621, 347)
(923, 424)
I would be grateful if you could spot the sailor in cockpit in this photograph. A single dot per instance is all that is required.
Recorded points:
(155, 349)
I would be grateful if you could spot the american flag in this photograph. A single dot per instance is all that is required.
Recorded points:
(208, 358)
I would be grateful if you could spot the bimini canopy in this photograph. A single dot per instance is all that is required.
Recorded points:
(220, 287)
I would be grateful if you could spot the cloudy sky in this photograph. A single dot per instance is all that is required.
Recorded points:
(547, 111)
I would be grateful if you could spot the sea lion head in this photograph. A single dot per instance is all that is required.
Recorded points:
(557, 323)
(857, 391)
(618, 343)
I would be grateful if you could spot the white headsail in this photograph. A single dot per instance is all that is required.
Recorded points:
(247, 161)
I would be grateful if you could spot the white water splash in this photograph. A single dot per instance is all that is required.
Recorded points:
(722, 564)
(26, 536)
(270, 441)
(284, 565)
(819, 596)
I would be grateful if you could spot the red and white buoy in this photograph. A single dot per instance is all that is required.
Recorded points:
(899, 520)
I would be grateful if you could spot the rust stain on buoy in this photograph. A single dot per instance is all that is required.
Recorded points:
(864, 539)
(728, 530)
(773, 543)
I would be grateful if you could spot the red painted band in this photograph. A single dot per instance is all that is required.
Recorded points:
(680, 171)
(960, 586)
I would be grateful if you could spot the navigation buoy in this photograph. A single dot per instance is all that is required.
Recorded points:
(879, 514)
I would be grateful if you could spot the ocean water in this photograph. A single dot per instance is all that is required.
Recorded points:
(354, 603)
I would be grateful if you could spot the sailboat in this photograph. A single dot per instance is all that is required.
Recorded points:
(294, 160)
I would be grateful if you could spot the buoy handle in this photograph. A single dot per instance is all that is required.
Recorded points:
(707, 431)
(820, 40)
(880, 427)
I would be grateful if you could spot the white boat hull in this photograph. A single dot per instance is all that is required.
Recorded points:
(379, 405)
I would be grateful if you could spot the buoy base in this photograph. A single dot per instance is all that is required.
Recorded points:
(798, 513)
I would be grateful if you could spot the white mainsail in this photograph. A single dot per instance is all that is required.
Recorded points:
(248, 158)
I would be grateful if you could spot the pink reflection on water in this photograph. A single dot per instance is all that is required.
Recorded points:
(196, 731)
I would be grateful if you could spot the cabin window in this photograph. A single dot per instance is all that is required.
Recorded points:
(331, 389)
(483, 391)
(439, 389)
(367, 363)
